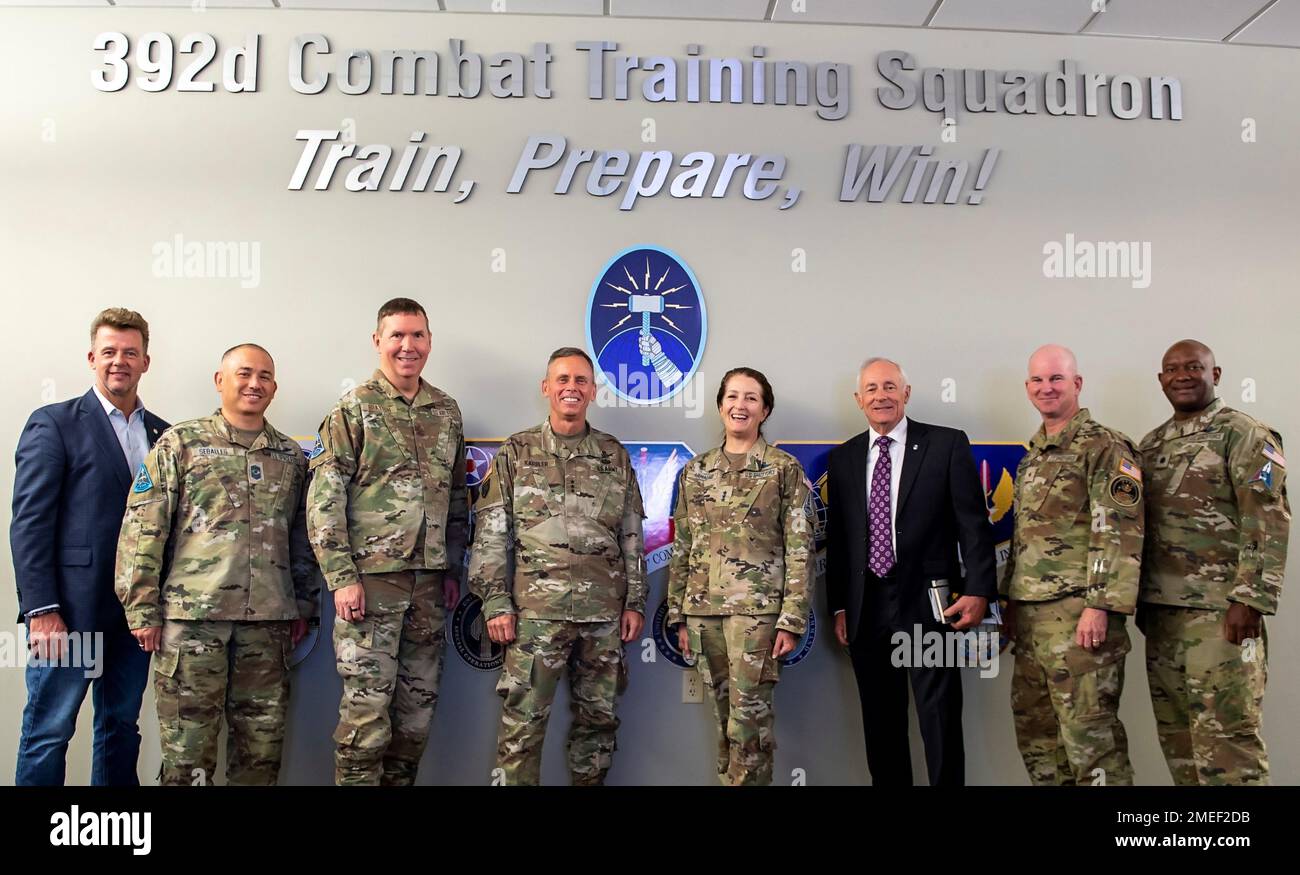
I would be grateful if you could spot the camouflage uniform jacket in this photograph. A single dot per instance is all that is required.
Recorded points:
(568, 521)
(1217, 514)
(1078, 518)
(743, 538)
(217, 531)
(388, 484)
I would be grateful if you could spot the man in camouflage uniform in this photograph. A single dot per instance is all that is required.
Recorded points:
(1072, 576)
(218, 580)
(562, 505)
(740, 581)
(1217, 521)
(388, 514)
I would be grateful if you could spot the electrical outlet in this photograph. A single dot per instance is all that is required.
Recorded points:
(692, 689)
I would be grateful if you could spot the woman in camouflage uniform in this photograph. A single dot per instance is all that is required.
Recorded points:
(740, 581)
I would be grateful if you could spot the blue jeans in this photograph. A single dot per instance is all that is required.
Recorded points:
(54, 696)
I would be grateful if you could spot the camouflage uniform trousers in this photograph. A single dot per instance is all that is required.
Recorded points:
(1207, 694)
(734, 658)
(1065, 700)
(207, 668)
(593, 653)
(390, 663)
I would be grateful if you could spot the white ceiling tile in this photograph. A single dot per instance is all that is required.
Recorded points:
(364, 5)
(1174, 19)
(1047, 16)
(747, 10)
(54, 3)
(1260, 22)
(1278, 26)
(527, 7)
(904, 12)
(210, 4)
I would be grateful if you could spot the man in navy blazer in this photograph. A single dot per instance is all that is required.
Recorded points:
(75, 464)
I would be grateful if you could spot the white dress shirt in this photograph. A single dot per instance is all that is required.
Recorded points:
(898, 445)
(130, 432)
(898, 438)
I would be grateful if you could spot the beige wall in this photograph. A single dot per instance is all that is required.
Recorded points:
(952, 291)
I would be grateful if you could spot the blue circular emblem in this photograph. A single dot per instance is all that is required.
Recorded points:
(801, 651)
(469, 636)
(665, 640)
(646, 324)
(478, 462)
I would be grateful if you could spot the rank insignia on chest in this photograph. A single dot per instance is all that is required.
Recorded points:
(255, 473)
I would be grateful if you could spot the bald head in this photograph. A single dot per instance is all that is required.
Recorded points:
(1053, 385)
(1188, 375)
(242, 347)
(1193, 347)
(1054, 357)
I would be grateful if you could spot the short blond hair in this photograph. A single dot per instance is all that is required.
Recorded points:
(121, 319)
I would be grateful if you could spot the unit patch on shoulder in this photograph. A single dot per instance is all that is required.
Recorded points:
(1264, 475)
(1125, 491)
(143, 482)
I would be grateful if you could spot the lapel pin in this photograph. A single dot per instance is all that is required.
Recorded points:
(916, 446)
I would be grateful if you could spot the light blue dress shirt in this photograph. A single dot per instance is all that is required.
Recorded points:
(130, 431)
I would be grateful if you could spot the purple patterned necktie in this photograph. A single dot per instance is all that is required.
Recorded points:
(879, 525)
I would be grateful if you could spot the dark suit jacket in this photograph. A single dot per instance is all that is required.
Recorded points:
(70, 491)
(940, 507)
